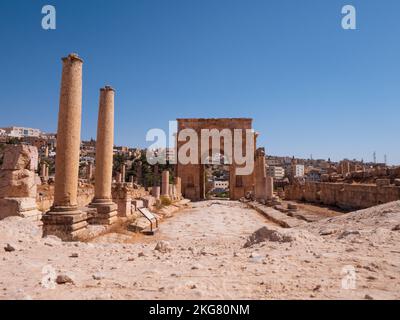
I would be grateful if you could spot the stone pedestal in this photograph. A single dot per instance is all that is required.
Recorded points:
(64, 220)
(106, 212)
(67, 223)
(122, 197)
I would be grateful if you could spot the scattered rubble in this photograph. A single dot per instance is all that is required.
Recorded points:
(264, 234)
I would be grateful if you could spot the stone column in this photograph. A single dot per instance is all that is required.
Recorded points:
(90, 171)
(64, 219)
(178, 184)
(47, 171)
(139, 173)
(46, 152)
(106, 209)
(260, 175)
(123, 173)
(43, 170)
(155, 192)
(269, 187)
(165, 183)
(118, 178)
(156, 181)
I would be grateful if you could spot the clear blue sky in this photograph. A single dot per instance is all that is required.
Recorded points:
(311, 87)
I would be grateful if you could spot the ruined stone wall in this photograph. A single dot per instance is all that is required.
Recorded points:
(347, 196)
(45, 196)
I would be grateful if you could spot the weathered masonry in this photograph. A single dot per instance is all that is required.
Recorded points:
(193, 175)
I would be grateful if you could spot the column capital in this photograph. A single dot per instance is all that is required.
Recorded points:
(107, 88)
(72, 57)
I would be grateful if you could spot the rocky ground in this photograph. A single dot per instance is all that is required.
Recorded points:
(211, 252)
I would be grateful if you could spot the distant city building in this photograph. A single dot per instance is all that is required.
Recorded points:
(276, 172)
(298, 170)
(21, 132)
(314, 175)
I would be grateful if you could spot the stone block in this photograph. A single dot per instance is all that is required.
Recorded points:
(18, 157)
(17, 183)
(68, 225)
(137, 204)
(22, 207)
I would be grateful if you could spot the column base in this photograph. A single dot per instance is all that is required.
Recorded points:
(69, 224)
(106, 212)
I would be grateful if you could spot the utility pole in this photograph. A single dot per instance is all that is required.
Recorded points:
(374, 156)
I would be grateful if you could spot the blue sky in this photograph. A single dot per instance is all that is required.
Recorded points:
(311, 87)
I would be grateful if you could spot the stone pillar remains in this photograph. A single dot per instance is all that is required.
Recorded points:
(260, 175)
(46, 152)
(165, 183)
(119, 177)
(43, 168)
(122, 196)
(47, 175)
(123, 173)
(17, 183)
(178, 184)
(106, 208)
(89, 171)
(264, 185)
(139, 173)
(155, 192)
(156, 181)
(64, 219)
(269, 187)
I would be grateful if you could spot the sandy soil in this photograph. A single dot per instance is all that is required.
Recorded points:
(353, 256)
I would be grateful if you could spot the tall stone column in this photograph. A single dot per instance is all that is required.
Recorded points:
(106, 209)
(165, 183)
(64, 219)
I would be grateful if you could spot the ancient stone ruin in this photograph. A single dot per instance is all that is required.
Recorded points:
(17, 182)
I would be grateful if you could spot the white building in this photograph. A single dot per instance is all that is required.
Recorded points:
(2, 133)
(298, 170)
(275, 172)
(21, 132)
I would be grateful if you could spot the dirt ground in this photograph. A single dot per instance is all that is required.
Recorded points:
(352, 256)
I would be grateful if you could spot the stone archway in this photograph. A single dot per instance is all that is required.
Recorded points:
(192, 174)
